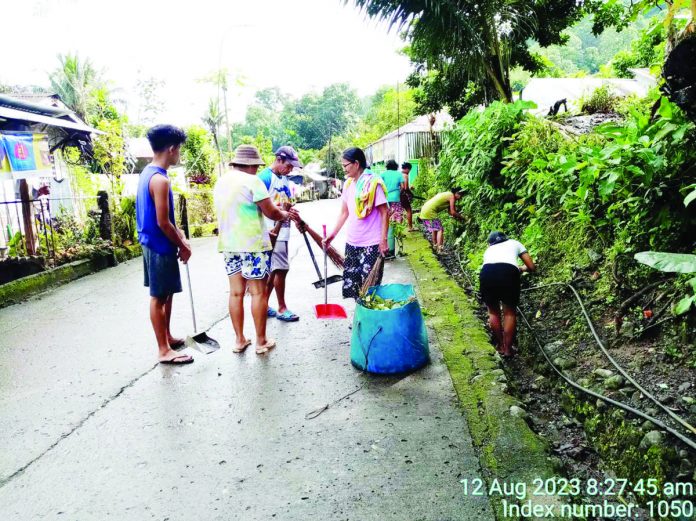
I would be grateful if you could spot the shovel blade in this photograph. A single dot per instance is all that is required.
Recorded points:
(202, 343)
(330, 280)
(330, 311)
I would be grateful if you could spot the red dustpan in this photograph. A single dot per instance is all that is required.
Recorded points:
(328, 311)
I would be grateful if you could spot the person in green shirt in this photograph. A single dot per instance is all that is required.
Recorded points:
(430, 210)
(394, 180)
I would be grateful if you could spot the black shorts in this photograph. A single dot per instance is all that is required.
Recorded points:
(500, 282)
(405, 198)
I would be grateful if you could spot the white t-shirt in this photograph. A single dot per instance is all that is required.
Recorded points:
(507, 252)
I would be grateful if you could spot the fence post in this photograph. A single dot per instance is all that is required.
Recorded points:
(105, 216)
(27, 211)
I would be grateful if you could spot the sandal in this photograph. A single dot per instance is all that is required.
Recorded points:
(260, 350)
(178, 360)
(271, 312)
(241, 349)
(287, 316)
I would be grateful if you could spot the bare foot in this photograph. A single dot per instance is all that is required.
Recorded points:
(265, 348)
(241, 345)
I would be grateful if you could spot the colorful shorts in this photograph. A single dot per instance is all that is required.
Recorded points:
(252, 265)
(396, 212)
(432, 225)
(358, 264)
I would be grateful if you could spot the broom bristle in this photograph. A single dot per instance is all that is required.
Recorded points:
(335, 257)
(373, 276)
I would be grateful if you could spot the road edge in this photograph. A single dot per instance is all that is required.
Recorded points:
(509, 451)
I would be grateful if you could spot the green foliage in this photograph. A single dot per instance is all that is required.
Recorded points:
(74, 80)
(199, 156)
(602, 100)
(313, 119)
(668, 262)
(472, 152)
(462, 52)
(570, 199)
(124, 221)
(387, 110)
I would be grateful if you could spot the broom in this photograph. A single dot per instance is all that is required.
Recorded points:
(373, 276)
(336, 258)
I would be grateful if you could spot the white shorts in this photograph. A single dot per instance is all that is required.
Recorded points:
(279, 258)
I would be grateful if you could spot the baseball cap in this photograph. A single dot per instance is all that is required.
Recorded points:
(288, 153)
(496, 238)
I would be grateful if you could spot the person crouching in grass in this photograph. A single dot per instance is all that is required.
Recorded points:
(500, 284)
(430, 210)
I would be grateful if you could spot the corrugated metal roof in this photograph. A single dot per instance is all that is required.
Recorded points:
(32, 117)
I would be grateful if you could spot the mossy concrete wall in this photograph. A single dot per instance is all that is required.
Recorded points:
(508, 450)
(21, 289)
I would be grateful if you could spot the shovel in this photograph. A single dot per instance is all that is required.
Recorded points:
(199, 341)
(323, 281)
(326, 310)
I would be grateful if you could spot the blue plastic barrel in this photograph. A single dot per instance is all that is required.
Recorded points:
(390, 341)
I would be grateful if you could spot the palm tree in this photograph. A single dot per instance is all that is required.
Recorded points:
(462, 40)
(213, 119)
(73, 81)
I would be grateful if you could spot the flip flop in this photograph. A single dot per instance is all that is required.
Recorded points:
(243, 348)
(182, 360)
(287, 316)
(271, 312)
(266, 347)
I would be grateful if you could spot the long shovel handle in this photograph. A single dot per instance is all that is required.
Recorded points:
(326, 270)
(311, 254)
(193, 313)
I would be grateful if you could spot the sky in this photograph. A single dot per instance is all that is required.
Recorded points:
(296, 45)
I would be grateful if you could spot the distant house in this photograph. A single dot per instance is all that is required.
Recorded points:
(547, 91)
(33, 129)
(411, 142)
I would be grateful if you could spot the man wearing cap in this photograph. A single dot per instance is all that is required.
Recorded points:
(241, 202)
(275, 177)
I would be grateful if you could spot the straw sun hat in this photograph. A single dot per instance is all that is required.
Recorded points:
(247, 155)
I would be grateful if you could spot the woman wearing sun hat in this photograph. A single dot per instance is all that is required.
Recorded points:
(241, 201)
(500, 284)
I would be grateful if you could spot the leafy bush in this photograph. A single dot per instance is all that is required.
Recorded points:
(602, 100)
(472, 152)
(571, 199)
(124, 221)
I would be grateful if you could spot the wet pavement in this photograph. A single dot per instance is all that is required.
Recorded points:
(92, 428)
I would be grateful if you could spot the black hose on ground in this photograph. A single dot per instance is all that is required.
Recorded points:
(590, 392)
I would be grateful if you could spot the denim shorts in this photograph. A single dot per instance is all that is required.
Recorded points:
(161, 273)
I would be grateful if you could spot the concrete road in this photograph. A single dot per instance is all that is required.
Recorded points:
(92, 428)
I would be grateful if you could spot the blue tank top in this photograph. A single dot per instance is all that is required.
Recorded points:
(149, 233)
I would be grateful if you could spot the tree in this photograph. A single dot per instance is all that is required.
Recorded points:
(313, 119)
(386, 111)
(199, 155)
(462, 50)
(213, 119)
(73, 81)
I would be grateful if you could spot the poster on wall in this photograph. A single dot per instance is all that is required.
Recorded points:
(24, 155)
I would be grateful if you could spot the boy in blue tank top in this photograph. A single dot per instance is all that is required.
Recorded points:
(162, 242)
